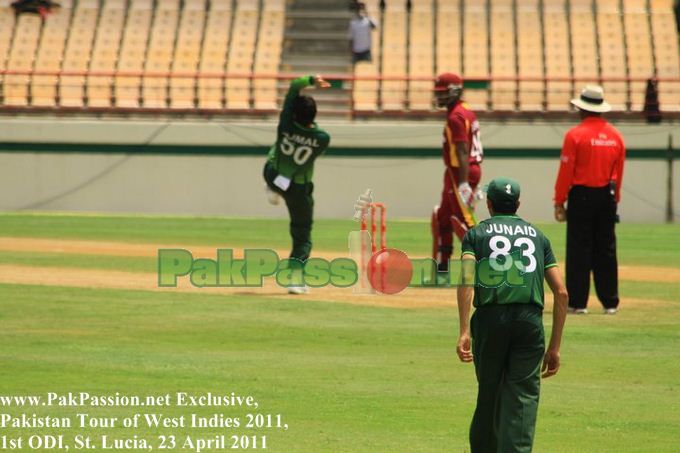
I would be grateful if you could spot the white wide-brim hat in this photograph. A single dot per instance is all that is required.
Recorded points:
(592, 100)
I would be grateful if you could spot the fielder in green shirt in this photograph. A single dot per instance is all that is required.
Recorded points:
(289, 168)
(504, 263)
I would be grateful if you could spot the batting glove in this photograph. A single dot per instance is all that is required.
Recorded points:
(477, 197)
(466, 193)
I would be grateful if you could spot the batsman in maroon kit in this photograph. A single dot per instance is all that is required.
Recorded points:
(463, 154)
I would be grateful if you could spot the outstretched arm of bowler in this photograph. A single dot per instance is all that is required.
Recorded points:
(551, 361)
(465, 294)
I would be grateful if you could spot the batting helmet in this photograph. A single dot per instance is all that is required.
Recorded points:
(448, 88)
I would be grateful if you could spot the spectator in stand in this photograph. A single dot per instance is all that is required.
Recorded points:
(360, 28)
(42, 7)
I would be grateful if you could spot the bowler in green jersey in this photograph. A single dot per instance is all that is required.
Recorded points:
(289, 168)
(505, 261)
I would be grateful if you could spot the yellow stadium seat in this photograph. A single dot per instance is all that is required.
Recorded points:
(49, 57)
(159, 55)
(187, 55)
(448, 49)
(365, 93)
(241, 54)
(127, 89)
(21, 58)
(268, 54)
(612, 53)
(77, 53)
(214, 55)
(476, 52)
(105, 53)
(530, 56)
(421, 53)
(393, 92)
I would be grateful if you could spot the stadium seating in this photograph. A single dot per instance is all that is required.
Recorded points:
(666, 53)
(50, 52)
(448, 52)
(187, 55)
(638, 48)
(21, 58)
(503, 64)
(105, 53)
(394, 54)
(214, 55)
(529, 55)
(268, 54)
(475, 50)
(160, 53)
(612, 52)
(77, 54)
(421, 51)
(558, 55)
(241, 54)
(127, 83)
(583, 44)
(6, 23)
(217, 54)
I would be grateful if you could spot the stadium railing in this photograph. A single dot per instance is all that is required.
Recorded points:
(669, 106)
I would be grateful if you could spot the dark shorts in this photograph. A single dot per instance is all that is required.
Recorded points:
(361, 56)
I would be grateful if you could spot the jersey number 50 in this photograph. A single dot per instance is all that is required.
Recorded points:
(500, 246)
(301, 154)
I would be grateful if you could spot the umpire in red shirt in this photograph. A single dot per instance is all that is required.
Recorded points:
(589, 180)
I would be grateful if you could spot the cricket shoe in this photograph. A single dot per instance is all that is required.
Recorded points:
(611, 311)
(577, 311)
(298, 290)
(273, 197)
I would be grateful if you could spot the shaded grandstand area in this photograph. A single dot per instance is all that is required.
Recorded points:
(214, 57)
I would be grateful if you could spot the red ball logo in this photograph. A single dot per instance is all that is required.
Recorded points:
(389, 271)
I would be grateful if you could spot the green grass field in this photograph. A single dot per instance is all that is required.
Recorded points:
(346, 378)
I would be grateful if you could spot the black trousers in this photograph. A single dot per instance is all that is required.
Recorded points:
(591, 245)
(300, 204)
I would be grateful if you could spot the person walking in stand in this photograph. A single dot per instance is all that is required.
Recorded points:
(359, 34)
(463, 154)
(504, 262)
(289, 168)
(589, 180)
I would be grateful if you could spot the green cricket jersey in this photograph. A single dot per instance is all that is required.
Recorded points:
(297, 146)
(511, 258)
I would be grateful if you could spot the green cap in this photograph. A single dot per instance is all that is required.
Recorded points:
(503, 192)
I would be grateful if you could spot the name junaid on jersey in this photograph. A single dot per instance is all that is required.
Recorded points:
(511, 258)
(510, 230)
